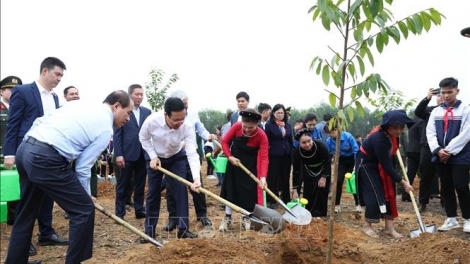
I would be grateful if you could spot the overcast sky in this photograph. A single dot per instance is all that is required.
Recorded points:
(216, 47)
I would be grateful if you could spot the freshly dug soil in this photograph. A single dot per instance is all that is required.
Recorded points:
(114, 243)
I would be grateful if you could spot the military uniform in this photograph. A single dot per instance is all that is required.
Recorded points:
(7, 83)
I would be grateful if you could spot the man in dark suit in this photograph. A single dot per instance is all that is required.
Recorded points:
(130, 156)
(6, 86)
(27, 103)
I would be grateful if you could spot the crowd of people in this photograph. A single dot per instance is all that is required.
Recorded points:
(55, 149)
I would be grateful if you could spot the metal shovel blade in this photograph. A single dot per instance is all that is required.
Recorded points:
(267, 215)
(429, 229)
(304, 217)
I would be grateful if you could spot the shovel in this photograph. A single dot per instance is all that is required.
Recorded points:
(296, 215)
(422, 228)
(263, 219)
(128, 226)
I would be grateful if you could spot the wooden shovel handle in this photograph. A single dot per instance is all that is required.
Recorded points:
(206, 192)
(127, 225)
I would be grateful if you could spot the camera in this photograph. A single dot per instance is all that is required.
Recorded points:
(436, 91)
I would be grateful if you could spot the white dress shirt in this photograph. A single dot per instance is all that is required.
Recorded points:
(48, 103)
(78, 132)
(159, 140)
(136, 112)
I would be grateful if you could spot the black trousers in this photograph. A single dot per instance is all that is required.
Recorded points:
(177, 165)
(137, 170)
(278, 177)
(346, 164)
(199, 199)
(412, 162)
(455, 178)
(43, 171)
(428, 171)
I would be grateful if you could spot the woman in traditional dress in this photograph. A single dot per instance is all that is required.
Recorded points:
(311, 162)
(376, 175)
(245, 143)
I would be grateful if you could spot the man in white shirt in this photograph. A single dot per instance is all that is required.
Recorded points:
(76, 132)
(161, 135)
(199, 199)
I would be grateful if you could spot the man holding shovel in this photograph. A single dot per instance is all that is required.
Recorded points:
(161, 136)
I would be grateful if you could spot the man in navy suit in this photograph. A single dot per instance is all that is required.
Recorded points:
(27, 103)
(130, 156)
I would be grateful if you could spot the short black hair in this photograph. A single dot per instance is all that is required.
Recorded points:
(310, 117)
(50, 62)
(263, 106)
(449, 82)
(118, 96)
(173, 104)
(244, 95)
(66, 90)
(133, 87)
(327, 117)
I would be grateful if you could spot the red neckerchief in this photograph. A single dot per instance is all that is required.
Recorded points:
(385, 179)
(446, 117)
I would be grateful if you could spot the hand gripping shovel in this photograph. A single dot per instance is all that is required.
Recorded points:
(127, 225)
(422, 228)
(296, 215)
(263, 219)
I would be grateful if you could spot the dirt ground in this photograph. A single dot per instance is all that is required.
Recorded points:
(114, 243)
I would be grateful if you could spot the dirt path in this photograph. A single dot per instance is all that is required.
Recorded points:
(297, 244)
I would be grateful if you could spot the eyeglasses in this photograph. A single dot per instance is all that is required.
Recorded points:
(176, 121)
(279, 113)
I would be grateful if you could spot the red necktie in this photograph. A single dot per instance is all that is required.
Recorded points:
(446, 117)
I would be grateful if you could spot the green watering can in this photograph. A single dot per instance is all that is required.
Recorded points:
(350, 182)
(220, 163)
(9, 184)
(302, 202)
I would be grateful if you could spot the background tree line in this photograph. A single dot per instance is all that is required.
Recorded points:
(360, 126)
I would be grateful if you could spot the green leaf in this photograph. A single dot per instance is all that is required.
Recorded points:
(372, 83)
(411, 26)
(332, 98)
(370, 41)
(436, 16)
(376, 7)
(379, 43)
(370, 57)
(337, 78)
(426, 21)
(341, 114)
(366, 10)
(394, 33)
(351, 114)
(359, 89)
(352, 70)
(362, 68)
(418, 23)
(312, 9)
(319, 67)
(385, 37)
(368, 25)
(313, 62)
(325, 21)
(315, 14)
(355, 6)
(357, 34)
(403, 29)
(326, 75)
(353, 93)
(359, 109)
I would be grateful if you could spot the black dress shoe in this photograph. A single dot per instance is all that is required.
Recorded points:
(421, 208)
(140, 215)
(205, 221)
(32, 250)
(52, 240)
(170, 226)
(34, 261)
(186, 234)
